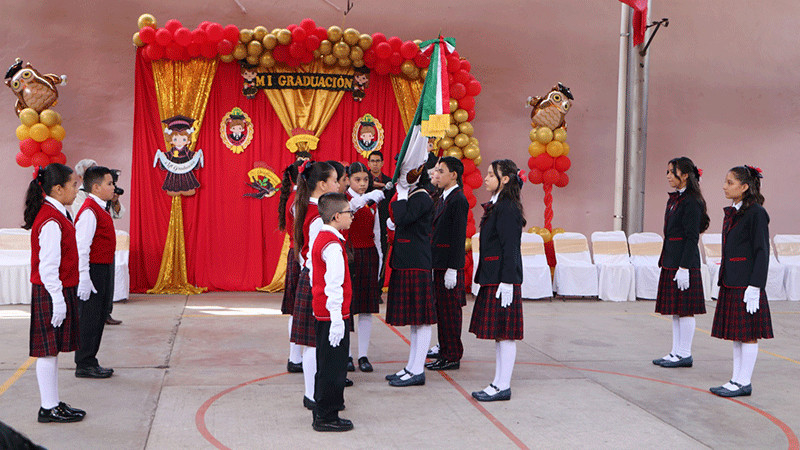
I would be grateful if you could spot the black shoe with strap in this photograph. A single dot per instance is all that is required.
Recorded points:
(364, 364)
(58, 415)
(482, 396)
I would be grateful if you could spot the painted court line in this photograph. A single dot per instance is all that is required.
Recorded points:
(13, 379)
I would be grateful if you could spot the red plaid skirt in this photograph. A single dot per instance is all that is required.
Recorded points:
(44, 339)
(492, 321)
(304, 326)
(673, 301)
(364, 276)
(734, 323)
(410, 300)
(457, 295)
(290, 283)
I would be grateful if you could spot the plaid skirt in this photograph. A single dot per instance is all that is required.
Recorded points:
(364, 277)
(457, 295)
(410, 300)
(492, 321)
(673, 301)
(304, 326)
(734, 323)
(290, 283)
(44, 339)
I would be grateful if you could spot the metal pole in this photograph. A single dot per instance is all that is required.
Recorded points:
(622, 110)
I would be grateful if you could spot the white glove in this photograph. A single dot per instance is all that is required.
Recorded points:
(390, 224)
(357, 203)
(376, 196)
(682, 278)
(450, 278)
(85, 288)
(402, 191)
(752, 296)
(505, 292)
(336, 332)
(59, 312)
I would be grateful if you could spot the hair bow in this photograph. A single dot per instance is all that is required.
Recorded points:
(757, 170)
(521, 175)
(699, 172)
(38, 174)
(304, 166)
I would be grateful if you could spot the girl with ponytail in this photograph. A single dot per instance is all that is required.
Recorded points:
(286, 223)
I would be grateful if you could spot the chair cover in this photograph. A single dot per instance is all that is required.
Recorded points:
(15, 266)
(615, 273)
(536, 281)
(575, 275)
(476, 256)
(122, 278)
(788, 248)
(712, 247)
(645, 251)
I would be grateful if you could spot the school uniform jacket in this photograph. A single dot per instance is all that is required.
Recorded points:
(450, 230)
(412, 238)
(500, 256)
(681, 232)
(745, 248)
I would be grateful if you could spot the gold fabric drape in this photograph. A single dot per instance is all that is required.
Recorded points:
(278, 280)
(407, 93)
(309, 109)
(182, 87)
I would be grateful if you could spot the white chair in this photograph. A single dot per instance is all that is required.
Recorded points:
(15, 266)
(122, 278)
(705, 274)
(712, 247)
(476, 257)
(776, 277)
(536, 282)
(788, 248)
(616, 277)
(575, 275)
(645, 251)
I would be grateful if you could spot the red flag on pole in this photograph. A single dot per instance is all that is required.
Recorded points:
(639, 19)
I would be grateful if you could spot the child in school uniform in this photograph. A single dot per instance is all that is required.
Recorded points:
(97, 241)
(497, 313)
(447, 249)
(742, 313)
(332, 291)
(54, 279)
(286, 223)
(680, 288)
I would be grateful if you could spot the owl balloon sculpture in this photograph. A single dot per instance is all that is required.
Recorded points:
(40, 132)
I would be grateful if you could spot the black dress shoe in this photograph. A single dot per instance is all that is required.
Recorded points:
(364, 365)
(742, 391)
(338, 424)
(482, 396)
(92, 372)
(70, 409)
(681, 362)
(443, 364)
(350, 366)
(414, 380)
(294, 367)
(658, 361)
(433, 353)
(58, 415)
(105, 369)
(348, 382)
(112, 321)
(308, 403)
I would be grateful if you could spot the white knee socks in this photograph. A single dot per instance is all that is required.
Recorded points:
(749, 355)
(47, 377)
(737, 359)
(687, 325)
(364, 331)
(295, 352)
(418, 350)
(505, 356)
(309, 369)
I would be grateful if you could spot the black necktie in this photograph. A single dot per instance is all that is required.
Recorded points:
(69, 216)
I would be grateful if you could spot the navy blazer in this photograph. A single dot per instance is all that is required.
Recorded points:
(681, 232)
(500, 256)
(745, 249)
(412, 236)
(450, 230)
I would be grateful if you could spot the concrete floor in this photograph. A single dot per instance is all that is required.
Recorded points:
(209, 371)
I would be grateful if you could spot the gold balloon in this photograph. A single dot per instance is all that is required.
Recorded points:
(532, 134)
(146, 20)
(48, 117)
(407, 67)
(424, 73)
(558, 230)
(545, 233)
(356, 53)
(477, 160)
(39, 132)
(137, 41)
(341, 50)
(365, 41)
(266, 60)
(358, 63)
(58, 117)
(453, 104)
(240, 51)
(445, 143)
(418, 41)
(468, 245)
(452, 131)
(566, 149)
(536, 148)
(57, 132)
(415, 73)
(23, 132)
(466, 128)
(334, 34)
(544, 135)
(254, 48)
(252, 60)
(325, 47)
(560, 134)
(245, 35)
(259, 32)
(461, 140)
(455, 152)
(533, 230)
(471, 151)
(275, 31)
(329, 60)
(473, 140)
(351, 36)
(555, 149)
(317, 54)
(284, 36)
(269, 42)
(226, 58)
(344, 62)
(461, 116)
(29, 117)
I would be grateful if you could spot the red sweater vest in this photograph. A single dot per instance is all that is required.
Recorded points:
(324, 239)
(311, 213)
(104, 242)
(361, 233)
(68, 270)
(290, 219)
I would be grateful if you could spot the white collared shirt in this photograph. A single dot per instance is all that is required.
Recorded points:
(494, 198)
(50, 254)
(313, 231)
(448, 191)
(334, 272)
(376, 225)
(738, 205)
(681, 191)
(85, 228)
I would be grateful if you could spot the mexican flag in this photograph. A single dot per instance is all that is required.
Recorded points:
(432, 118)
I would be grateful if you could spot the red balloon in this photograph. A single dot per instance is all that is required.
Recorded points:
(321, 33)
(29, 147)
(474, 180)
(183, 36)
(225, 47)
(469, 166)
(292, 61)
(312, 42)
(536, 176)
(562, 163)
(59, 158)
(370, 58)
(453, 64)
(382, 67)
(544, 162)
(200, 36)
(474, 88)
(465, 65)
(208, 50)
(147, 35)
(450, 79)
(193, 50)
(551, 176)
(308, 24)
(395, 59)
(231, 33)
(471, 229)
(281, 53)
(173, 51)
(163, 36)
(40, 159)
(172, 25)
(377, 38)
(383, 50)
(395, 70)
(470, 197)
(422, 61)
(409, 50)
(155, 51)
(204, 25)
(462, 77)
(298, 34)
(296, 49)
(457, 91)
(470, 115)
(396, 43)
(215, 32)
(23, 160)
(466, 102)
(51, 147)
(291, 27)
(563, 180)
